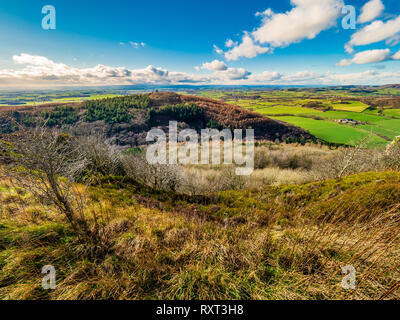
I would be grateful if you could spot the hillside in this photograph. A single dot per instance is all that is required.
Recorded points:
(115, 226)
(126, 120)
(274, 243)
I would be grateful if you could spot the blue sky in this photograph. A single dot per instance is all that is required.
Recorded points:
(124, 38)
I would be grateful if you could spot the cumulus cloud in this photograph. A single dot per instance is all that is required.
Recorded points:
(215, 65)
(246, 49)
(370, 11)
(40, 71)
(368, 56)
(35, 61)
(234, 74)
(305, 21)
(266, 76)
(375, 32)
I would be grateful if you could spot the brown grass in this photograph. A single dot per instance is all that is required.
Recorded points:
(259, 246)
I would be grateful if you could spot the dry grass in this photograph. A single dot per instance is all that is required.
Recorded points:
(276, 243)
(274, 164)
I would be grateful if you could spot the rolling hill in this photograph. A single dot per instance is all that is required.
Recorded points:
(125, 120)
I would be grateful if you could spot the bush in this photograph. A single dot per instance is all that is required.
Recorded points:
(158, 177)
(100, 157)
(280, 159)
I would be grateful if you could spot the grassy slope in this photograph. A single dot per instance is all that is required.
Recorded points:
(278, 242)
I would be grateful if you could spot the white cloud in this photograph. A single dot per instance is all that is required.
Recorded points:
(35, 60)
(234, 74)
(137, 45)
(246, 49)
(266, 76)
(230, 43)
(215, 65)
(42, 72)
(370, 11)
(375, 32)
(218, 50)
(305, 21)
(303, 76)
(369, 76)
(368, 56)
(267, 12)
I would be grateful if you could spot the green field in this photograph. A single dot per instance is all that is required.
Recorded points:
(333, 132)
(64, 96)
(320, 110)
(317, 110)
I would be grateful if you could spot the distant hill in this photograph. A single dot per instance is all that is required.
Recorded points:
(126, 120)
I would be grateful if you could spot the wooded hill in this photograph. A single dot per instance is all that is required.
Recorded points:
(126, 120)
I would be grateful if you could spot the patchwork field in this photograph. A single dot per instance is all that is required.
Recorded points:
(335, 115)
(340, 115)
(59, 96)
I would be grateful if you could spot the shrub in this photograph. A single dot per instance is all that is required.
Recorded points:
(158, 177)
(100, 157)
(281, 159)
(391, 157)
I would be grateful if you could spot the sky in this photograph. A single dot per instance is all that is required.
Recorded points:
(253, 42)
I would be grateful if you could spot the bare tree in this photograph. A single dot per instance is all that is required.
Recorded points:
(46, 163)
(349, 161)
(100, 157)
(392, 155)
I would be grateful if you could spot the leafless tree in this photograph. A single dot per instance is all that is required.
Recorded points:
(100, 157)
(349, 161)
(392, 155)
(46, 163)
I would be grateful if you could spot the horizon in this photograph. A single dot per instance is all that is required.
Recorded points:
(166, 88)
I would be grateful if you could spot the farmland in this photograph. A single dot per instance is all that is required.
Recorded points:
(335, 115)
(128, 229)
(32, 98)
(338, 115)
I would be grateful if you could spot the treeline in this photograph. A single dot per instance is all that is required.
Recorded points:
(114, 110)
(59, 116)
(188, 113)
(65, 115)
